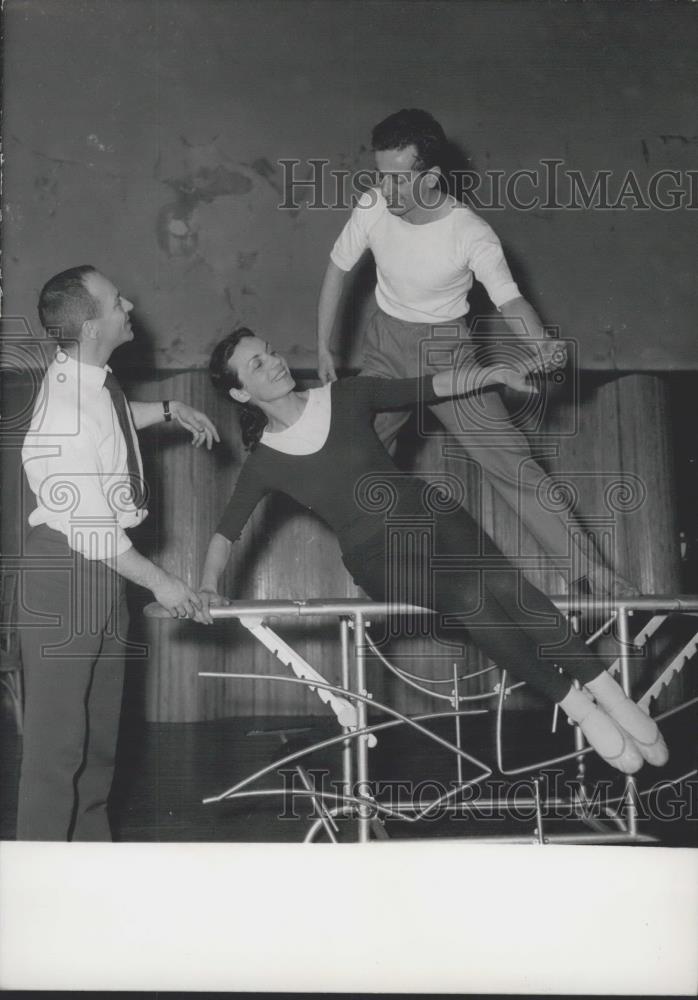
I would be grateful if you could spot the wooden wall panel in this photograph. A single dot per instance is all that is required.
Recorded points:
(621, 427)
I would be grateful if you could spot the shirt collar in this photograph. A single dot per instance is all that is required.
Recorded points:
(90, 377)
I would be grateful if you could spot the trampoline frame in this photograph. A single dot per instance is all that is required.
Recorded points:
(354, 616)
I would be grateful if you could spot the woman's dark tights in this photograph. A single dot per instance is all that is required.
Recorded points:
(512, 621)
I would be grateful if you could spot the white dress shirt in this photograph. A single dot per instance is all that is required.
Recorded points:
(424, 273)
(75, 459)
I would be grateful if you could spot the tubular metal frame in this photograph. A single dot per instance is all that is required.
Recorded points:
(356, 800)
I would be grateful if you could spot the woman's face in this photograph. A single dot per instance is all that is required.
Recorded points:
(263, 374)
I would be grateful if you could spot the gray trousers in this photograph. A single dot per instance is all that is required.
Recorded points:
(484, 433)
(73, 623)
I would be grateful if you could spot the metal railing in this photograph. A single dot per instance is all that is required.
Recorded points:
(350, 699)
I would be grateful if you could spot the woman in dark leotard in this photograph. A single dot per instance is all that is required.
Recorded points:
(319, 447)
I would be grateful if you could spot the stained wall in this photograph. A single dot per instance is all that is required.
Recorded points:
(146, 137)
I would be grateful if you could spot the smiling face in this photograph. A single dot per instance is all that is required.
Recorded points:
(263, 374)
(112, 327)
(405, 187)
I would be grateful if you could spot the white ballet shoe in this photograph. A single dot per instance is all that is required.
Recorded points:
(601, 731)
(638, 724)
(656, 753)
(630, 718)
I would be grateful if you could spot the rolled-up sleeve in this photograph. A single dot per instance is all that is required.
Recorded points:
(485, 258)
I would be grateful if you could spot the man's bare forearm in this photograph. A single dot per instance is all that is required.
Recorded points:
(520, 316)
(546, 353)
(328, 304)
(136, 568)
(173, 593)
(146, 414)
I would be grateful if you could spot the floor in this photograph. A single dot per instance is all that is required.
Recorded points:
(165, 770)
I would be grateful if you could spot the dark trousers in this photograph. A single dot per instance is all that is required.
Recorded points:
(514, 624)
(73, 626)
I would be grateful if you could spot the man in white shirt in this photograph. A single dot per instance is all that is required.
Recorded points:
(83, 465)
(428, 248)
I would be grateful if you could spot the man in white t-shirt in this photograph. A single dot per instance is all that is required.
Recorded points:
(428, 249)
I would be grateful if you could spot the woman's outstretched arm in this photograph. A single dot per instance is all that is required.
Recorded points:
(246, 495)
(391, 394)
(472, 377)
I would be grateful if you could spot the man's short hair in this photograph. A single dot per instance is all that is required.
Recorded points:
(65, 303)
(412, 127)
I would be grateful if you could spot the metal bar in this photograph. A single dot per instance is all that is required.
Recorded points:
(347, 762)
(362, 745)
(342, 707)
(318, 806)
(456, 706)
(579, 745)
(552, 838)
(600, 630)
(409, 678)
(369, 730)
(410, 810)
(676, 665)
(539, 814)
(296, 609)
(381, 609)
(580, 800)
(406, 675)
(641, 638)
(344, 808)
(624, 639)
(310, 835)
(601, 838)
(502, 803)
(403, 677)
(535, 765)
(402, 813)
(677, 708)
(358, 609)
(656, 788)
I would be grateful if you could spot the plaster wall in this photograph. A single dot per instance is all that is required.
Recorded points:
(145, 137)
